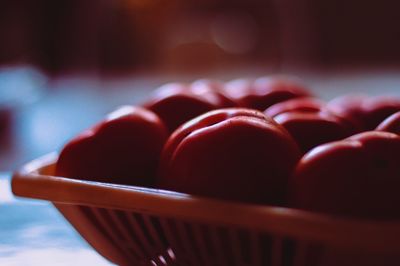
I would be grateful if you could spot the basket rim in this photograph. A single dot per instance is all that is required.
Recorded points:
(36, 180)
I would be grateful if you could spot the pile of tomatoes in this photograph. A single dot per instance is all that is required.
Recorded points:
(262, 141)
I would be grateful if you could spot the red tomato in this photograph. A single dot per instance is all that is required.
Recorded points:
(213, 86)
(350, 107)
(234, 154)
(177, 103)
(391, 124)
(306, 104)
(123, 149)
(264, 92)
(356, 177)
(378, 109)
(311, 129)
(367, 112)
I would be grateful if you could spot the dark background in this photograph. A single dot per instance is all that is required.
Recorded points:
(184, 36)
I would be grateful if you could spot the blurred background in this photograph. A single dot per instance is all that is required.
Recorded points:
(65, 64)
(191, 36)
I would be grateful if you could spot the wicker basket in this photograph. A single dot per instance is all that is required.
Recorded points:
(139, 226)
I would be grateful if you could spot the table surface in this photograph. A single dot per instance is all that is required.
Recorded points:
(33, 232)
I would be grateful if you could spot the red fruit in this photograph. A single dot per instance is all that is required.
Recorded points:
(306, 104)
(177, 103)
(234, 154)
(213, 86)
(357, 177)
(264, 92)
(350, 107)
(391, 124)
(378, 109)
(237, 90)
(367, 112)
(123, 149)
(310, 129)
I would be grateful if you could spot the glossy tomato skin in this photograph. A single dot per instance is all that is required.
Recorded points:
(303, 104)
(310, 129)
(123, 149)
(177, 103)
(391, 124)
(356, 177)
(232, 154)
(264, 92)
(367, 112)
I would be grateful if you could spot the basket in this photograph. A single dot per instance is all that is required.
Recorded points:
(139, 226)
